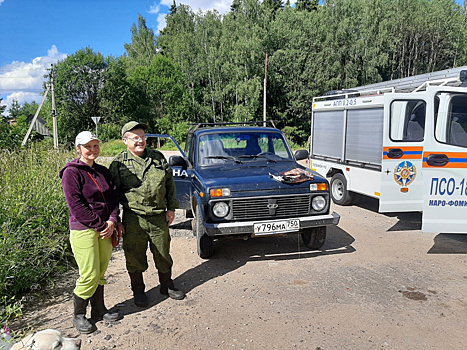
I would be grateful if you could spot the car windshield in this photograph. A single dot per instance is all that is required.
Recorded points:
(242, 147)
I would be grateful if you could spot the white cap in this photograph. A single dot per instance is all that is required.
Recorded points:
(84, 137)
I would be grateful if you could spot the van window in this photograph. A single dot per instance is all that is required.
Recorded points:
(407, 120)
(457, 121)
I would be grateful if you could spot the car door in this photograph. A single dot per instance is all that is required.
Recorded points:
(445, 163)
(403, 139)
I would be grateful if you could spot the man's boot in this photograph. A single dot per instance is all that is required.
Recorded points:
(167, 286)
(137, 286)
(98, 309)
(79, 316)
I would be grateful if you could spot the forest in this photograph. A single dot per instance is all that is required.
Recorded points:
(211, 67)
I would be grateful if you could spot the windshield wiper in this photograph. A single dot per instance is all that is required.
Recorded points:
(225, 157)
(258, 156)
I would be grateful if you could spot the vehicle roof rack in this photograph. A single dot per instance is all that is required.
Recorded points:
(448, 77)
(195, 126)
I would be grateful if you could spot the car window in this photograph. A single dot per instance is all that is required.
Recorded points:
(224, 147)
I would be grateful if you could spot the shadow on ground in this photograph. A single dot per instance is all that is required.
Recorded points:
(448, 243)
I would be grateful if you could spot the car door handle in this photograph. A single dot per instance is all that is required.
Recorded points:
(437, 159)
(395, 153)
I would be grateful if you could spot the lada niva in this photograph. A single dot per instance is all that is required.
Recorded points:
(244, 181)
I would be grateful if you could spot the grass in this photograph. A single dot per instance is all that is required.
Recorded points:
(33, 223)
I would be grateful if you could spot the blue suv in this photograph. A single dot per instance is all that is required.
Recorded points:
(244, 181)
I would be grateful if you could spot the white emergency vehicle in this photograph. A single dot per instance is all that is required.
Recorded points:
(403, 141)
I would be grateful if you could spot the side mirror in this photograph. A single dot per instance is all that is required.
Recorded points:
(301, 154)
(177, 161)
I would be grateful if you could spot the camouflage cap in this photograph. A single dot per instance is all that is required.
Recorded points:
(133, 125)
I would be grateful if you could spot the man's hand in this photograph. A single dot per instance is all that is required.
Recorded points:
(120, 229)
(169, 217)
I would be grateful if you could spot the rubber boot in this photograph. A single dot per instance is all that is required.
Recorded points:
(137, 286)
(79, 316)
(167, 286)
(98, 309)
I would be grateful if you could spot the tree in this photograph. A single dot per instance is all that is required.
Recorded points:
(2, 107)
(78, 81)
(307, 5)
(273, 5)
(15, 110)
(142, 49)
(161, 100)
(173, 8)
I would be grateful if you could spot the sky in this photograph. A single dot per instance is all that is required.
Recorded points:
(37, 33)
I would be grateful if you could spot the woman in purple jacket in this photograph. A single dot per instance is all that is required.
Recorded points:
(93, 203)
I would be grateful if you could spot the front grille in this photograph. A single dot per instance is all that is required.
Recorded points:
(257, 208)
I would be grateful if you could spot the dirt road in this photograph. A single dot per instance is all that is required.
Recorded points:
(378, 283)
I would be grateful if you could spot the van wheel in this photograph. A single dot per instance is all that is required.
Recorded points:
(314, 237)
(204, 243)
(339, 192)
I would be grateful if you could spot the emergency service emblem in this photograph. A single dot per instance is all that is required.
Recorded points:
(405, 173)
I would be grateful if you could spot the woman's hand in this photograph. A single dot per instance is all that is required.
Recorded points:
(108, 231)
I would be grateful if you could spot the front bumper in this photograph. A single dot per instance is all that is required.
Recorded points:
(246, 227)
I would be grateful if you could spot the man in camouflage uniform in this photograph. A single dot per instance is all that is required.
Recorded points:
(147, 193)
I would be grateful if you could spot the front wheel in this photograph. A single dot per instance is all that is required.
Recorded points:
(314, 237)
(204, 243)
(339, 191)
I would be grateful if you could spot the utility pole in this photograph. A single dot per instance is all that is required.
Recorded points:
(33, 121)
(50, 86)
(54, 111)
(264, 93)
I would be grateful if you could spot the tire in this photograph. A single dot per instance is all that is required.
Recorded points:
(339, 192)
(204, 243)
(314, 237)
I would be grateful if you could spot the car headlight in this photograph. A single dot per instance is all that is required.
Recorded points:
(318, 203)
(220, 209)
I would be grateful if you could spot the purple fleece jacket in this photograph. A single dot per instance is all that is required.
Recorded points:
(85, 202)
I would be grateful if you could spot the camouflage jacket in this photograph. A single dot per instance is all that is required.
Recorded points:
(145, 184)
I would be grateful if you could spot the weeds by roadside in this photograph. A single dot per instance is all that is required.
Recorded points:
(33, 223)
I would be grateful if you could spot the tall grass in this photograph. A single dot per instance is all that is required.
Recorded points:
(33, 221)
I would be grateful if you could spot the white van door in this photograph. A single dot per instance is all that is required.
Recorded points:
(445, 163)
(403, 138)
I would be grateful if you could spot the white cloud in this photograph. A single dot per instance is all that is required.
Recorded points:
(23, 81)
(161, 22)
(1, 2)
(154, 9)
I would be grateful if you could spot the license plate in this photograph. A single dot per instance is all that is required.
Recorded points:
(274, 227)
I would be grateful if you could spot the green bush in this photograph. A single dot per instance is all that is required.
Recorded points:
(109, 132)
(112, 148)
(33, 220)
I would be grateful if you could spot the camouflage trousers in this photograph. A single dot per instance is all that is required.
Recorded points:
(141, 230)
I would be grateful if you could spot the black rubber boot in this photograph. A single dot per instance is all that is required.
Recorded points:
(79, 316)
(98, 309)
(137, 286)
(167, 286)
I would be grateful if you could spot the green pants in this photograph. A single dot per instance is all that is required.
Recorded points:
(92, 254)
(141, 230)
